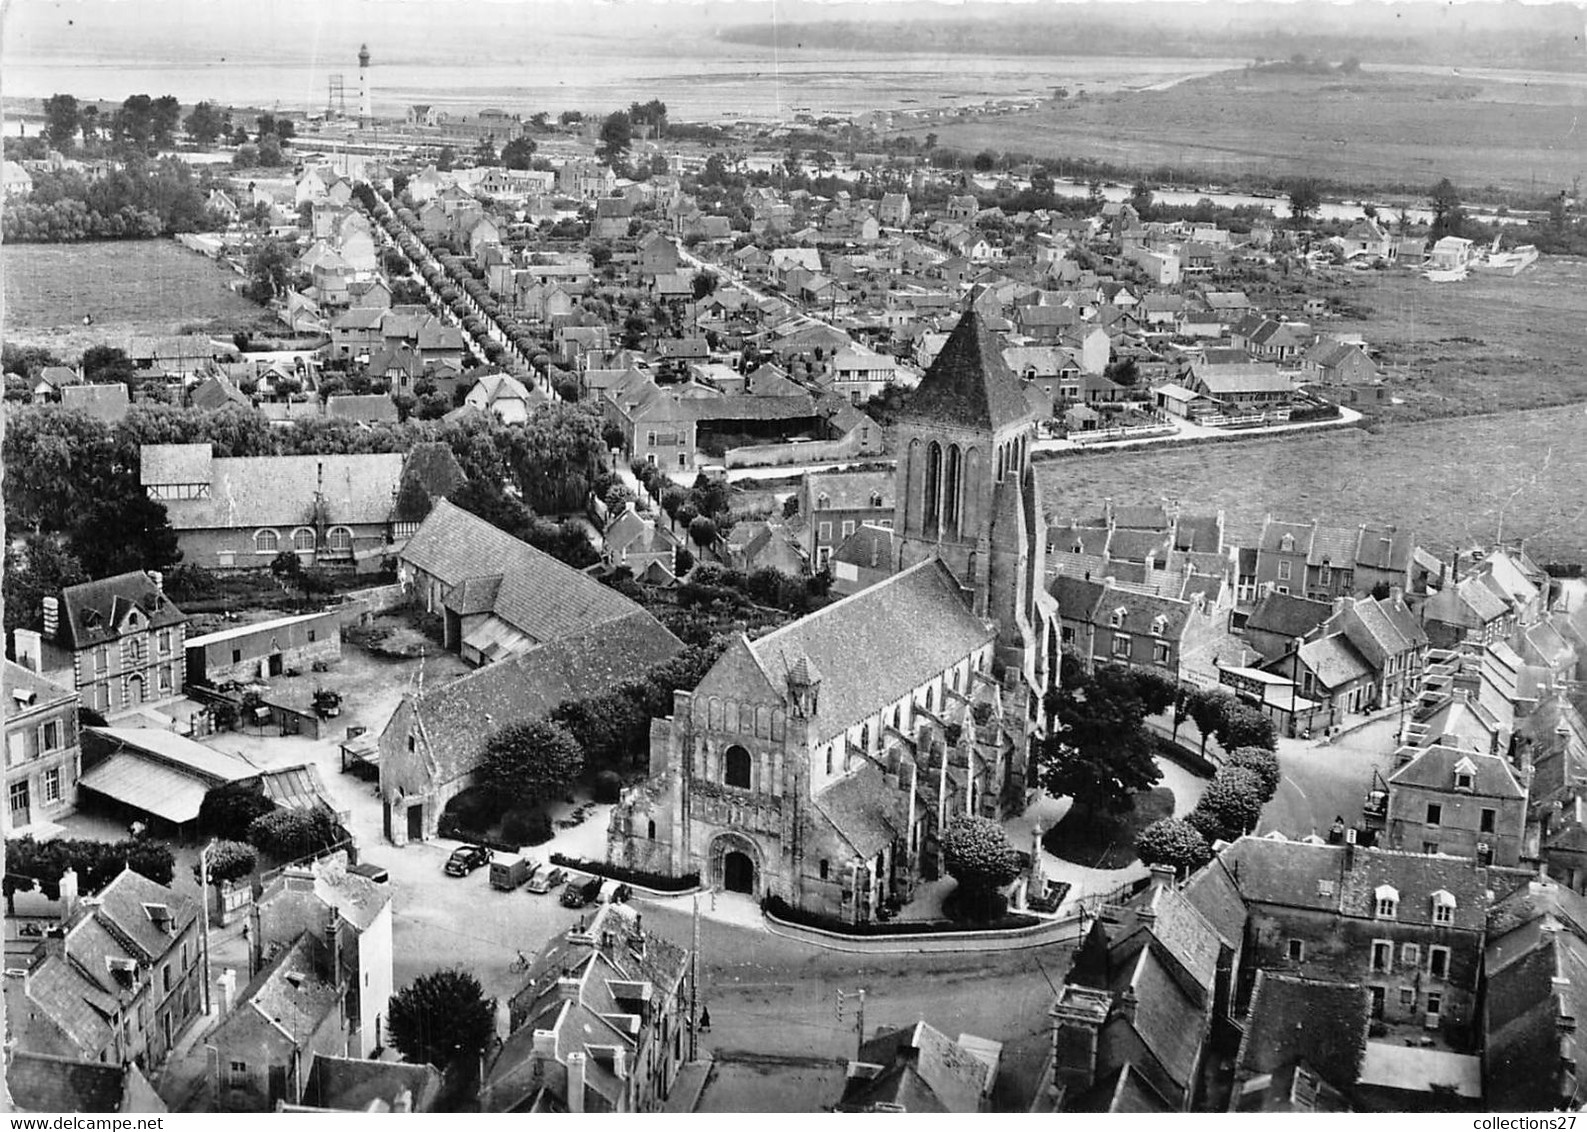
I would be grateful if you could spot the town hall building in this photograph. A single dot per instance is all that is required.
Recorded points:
(818, 762)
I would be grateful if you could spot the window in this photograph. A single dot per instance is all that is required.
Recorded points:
(848, 527)
(1462, 780)
(137, 649)
(1324, 575)
(823, 532)
(1435, 1004)
(1489, 817)
(313, 634)
(1407, 998)
(1284, 569)
(876, 499)
(1068, 634)
(1430, 847)
(650, 440)
(1410, 954)
(1117, 619)
(829, 760)
(165, 679)
(303, 539)
(16, 749)
(1378, 995)
(1387, 900)
(823, 501)
(1443, 908)
(52, 785)
(266, 541)
(1121, 645)
(413, 744)
(650, 829)
(1160, 652)
(236, 656)
(19, 801)
(735, 767)
(165, 978)
(1382, 955)
(52, 735)
(340, 539)
(1297, 951)
(1438, 962)
(165, 641)
(826, 868)
(101, 658)
(239, 1074)
(1435, 813)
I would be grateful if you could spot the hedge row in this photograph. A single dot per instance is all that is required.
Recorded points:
(658, 881)
(779, 908)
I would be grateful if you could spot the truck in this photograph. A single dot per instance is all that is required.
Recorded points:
(507, 873)
(581, 891)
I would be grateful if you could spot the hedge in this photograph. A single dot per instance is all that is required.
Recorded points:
(658, 881)
(779, 908)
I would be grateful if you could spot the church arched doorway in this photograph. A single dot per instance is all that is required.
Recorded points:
(738, 872)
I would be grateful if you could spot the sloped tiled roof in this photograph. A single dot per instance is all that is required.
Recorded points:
(1295, 1019)
(92, 611)
(351, 1084)
(43, 1083)
(278, 491)
(1334, 661)
(867, 812)
(877, 645)
(921, 1070)
(969, 383)
(1434, 768)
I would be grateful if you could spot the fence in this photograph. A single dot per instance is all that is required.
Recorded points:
(1097, 435)
(359, 606)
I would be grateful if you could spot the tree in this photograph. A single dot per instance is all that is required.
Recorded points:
(518, 152)
(229, 810)
(36, 566)
(290, 834)
(106, 365)
(531, 761)
(1232, 804)
(125, 531)
(1141, 199)
(977, 854)
(1102, 754)
(1207, 708)
(165, 113)
(1448, 217)
(485, 152)
(62, 118)
(204, 123)
(1260, 762)
(228, 861)
(1175, 842)
(445, 159)
(702, 531)
(1244, 726)
(441, 1019)
(617, 138)
(270, 155)
(1304, 201)
(269, 271)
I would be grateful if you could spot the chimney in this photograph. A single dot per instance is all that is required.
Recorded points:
(576, 1082)
(228, 990)
(158, 579)
(1163, 876)
(68, 893)
(1078, 1017)
(403, 1102)
(52, 617)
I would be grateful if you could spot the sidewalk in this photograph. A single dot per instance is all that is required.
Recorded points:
(724, 907)
(688, 1086)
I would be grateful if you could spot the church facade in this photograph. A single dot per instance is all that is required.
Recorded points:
(818, 763)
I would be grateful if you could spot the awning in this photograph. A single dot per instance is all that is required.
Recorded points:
(495, 639)
(144, 784)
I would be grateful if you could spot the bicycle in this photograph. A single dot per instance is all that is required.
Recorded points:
(520, 964)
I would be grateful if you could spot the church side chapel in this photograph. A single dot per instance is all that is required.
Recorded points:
(818, 763)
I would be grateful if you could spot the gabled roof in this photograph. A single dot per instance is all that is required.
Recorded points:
(969, 383)
(352, 1084)
(40, 1082)
(277, 491)
(919, 1069)
(869, 548)
(1294, 1019)
(1433, 768)
(867, 812)
(1287, 616)
(1334, 661)
(92, 612)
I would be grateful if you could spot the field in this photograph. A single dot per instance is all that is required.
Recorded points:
(1379, 128)
(129, 288)
(1452, 482)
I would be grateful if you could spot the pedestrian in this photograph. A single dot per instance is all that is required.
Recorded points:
(705, 1019)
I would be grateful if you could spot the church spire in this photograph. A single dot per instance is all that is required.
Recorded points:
(969, 383)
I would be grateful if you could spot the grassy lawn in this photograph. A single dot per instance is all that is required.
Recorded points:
(1374, 128)
(1107, 841)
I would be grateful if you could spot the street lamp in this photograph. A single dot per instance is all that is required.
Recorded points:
(203, 893)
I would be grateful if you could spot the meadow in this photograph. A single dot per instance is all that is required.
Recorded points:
(1455, 483)
(129, 287)
(1382, 128)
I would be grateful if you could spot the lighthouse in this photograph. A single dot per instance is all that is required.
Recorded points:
(365, 115)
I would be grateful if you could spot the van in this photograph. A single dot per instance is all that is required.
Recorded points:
(507, 873)
(580, 892)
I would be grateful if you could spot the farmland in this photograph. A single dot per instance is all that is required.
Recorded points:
(1377, 127)
(1449, 481)
(130, 287)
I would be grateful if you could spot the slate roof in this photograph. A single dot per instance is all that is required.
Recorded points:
(870, 547)
(91, 612)
(124, 903)
(351, 1084)
(274, 491)
(539, 595)
(847, 490)
(458, 718)
(877, 645)
(1168, 1020)
(35, 690)
(867, 813)
(214, 392)
(1534, 1002)
(1077, 598)
(44, 1083)
(1434, 768)
(102, 402)
(289, 992)
(1296, 1019)
(918, 1068)
(1334, 661)
(969, 383)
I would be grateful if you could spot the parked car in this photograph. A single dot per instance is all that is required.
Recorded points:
(545, 880)
(465, 859)
(580, 892)
(615, 892)
(376, 873)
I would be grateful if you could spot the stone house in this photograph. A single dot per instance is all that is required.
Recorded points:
(43, 751)
(1445, 799)
(835, 504)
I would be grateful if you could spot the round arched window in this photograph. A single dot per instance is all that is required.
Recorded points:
(266, 541)
(735, 767)
(303, 539)
(340, 539)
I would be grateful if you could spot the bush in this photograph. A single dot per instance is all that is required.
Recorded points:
(472, 808)
(608, 786)
(778, 908)
(229, 811)
(526, 825)
(1173, 842)
(290, 834)
(1232, 804)
(1260, 762)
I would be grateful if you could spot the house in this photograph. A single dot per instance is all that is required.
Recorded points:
(358, 331)
(1105, 623)
(754, 544)
(15, 181)
(38, 1082)
(1334, 362)
(502, 395)
(117, 641)
(349, 916)
(858, 374)
(1131, 1021)
(231, 512)
(1367, 237)
(893, 211)
(423, 114)
(1280, 619)
(366, 408)
(287, 1015)
(43, 756)
(920, 1069)
(833, 505)
(1467, 610)
(1388, 637)
(1240, 387)
(1448, 254)
(962, 209)
(862, 559)
(1331, 671)
(636, 540)
(121, 982)
(258, 651)
(603, 1023)
(353, 1084)
(1465, 803)
(176, 355)
(1322, 563)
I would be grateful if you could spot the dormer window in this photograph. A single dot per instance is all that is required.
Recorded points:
(1286, 544)
(876, 499)
(1386, 902)
(1443, 908)
(1117, 620)
(1159, 625)
(1465, 774)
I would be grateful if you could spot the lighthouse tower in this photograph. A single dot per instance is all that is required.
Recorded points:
(365, 115)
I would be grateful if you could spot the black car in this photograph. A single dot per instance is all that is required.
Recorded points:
(466, 859)
(578, 893)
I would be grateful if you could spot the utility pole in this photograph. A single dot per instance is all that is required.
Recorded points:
(859, 1016)
(203, 891)
(694, 987)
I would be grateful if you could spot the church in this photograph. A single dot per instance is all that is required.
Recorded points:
(818, 762)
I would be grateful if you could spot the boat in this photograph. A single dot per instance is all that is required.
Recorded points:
(1444, 274)
(1512, 262)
